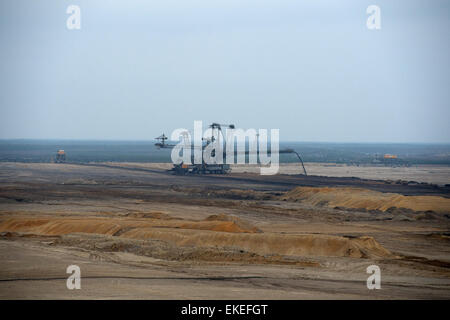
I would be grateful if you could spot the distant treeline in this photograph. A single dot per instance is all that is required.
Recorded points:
(145, 151)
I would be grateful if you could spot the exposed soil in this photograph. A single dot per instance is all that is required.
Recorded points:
(140, 232)
(358, 198)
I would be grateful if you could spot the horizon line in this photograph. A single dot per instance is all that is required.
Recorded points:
(281, 141)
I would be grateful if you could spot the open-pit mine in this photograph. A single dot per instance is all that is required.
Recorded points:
(139, 232)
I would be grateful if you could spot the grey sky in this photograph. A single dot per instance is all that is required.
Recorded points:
(310, 68)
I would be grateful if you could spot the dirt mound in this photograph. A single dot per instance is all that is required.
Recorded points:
(60, 226)
(205, 235)
(158, 249)
(291, 245)
(358, 198)
(221, 226)
(228, 223)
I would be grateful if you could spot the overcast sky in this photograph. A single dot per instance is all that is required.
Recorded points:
(138, 68)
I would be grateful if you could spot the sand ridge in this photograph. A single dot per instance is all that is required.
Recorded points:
(215, 231)
(360, 198)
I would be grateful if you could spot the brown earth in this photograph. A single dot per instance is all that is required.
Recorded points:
(209, 233)
(359, 198)
(138, 232)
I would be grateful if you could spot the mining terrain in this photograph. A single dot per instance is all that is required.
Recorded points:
(139, 232)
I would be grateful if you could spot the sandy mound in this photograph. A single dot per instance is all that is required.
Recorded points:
(293, 245)
(180, 233)
(222, 226)
(60, 226)
(359, 198)
(225, 223)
